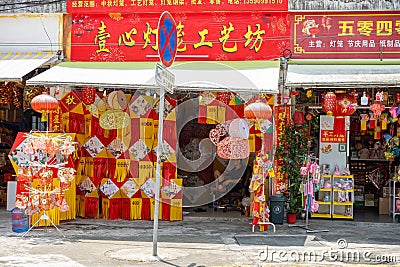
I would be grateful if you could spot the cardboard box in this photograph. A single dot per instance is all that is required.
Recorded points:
(383, 206)
(369, 200)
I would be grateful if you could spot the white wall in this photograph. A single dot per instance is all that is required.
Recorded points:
(31, 32)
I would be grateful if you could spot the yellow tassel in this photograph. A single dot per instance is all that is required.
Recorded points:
(106, 208)
(136, 208)
(44, 117)
(176, 210)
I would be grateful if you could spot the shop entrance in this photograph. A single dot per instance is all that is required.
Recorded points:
(213, 189)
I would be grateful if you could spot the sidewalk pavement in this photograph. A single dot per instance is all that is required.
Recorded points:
(200, 241)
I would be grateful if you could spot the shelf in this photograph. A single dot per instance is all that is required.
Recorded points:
(343, 176)
(321, 215)
(343, 203)
(336, 206)
(324, 203)
(325, 189)
(341, 190)
(341, 216)
(381, 160)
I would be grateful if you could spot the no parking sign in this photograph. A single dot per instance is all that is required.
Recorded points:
(167, 39)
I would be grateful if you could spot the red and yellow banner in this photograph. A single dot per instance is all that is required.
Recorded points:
(201, 36)
(103, 6)
(346, 35)
(282, 118)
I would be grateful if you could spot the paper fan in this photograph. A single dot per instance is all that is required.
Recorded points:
(109, 189)
(149, 188)
(129, 188)
(171, 190)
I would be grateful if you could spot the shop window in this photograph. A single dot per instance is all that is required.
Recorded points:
(37, 124)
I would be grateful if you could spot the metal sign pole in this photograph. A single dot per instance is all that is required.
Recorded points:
(158, 169)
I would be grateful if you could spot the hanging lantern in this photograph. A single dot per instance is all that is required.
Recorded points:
(258, 111)
(44, 104)
(346, 105)
(329, 104)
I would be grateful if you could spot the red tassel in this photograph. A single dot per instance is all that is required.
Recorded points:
(169, 171)
(202, 114)
(115, 208)
(166, 209)
(126, 208)
(146, 209)
(100, 170)
(372, 124)
(91, 207)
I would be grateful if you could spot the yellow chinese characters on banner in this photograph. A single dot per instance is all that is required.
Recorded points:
(282, 116)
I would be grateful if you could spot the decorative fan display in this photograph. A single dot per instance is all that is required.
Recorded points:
(149, 188)
(42, 157)
(109, 189)
(171, 190)
(129, 188)
(139, 150)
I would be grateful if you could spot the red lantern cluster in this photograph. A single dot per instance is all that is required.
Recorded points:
(339, 104)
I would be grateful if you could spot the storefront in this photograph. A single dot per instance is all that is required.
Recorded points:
(226, 61)
(351, 70)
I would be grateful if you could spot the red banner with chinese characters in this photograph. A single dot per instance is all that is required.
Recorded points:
(202, 36)
(346, 36)
(130, 6)
(281, 117)
(335, 135)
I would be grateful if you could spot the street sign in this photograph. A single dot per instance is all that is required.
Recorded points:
(165, 78)
(167, 39)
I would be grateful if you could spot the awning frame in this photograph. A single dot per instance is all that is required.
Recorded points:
(343, 74)
(16, 66)
(249, 70)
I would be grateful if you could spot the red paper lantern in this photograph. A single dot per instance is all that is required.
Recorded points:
(339, 104)
(258, 111)
(329, 104)
(44, 103)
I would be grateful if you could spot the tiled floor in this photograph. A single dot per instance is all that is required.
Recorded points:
(370, 214)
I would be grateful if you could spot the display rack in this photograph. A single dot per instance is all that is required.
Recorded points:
(335, 197)
(343, 196)
(394, 198)
(308, 189)
(324, 197)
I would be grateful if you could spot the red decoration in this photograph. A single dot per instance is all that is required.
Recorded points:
(44, 103)
(329, 103)
(258, 111)
(346, 104)
(89, 95)
(339, 104)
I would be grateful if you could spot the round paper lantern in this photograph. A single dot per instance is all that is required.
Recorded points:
(329, 104)
(258, 111)
(44, 103)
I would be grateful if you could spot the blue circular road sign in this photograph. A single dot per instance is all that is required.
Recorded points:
(167, 39)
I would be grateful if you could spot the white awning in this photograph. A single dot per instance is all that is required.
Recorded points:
(247, 76)
(343, 75)
(15, 65)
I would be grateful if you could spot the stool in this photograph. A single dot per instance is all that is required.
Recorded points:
(265, 223)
